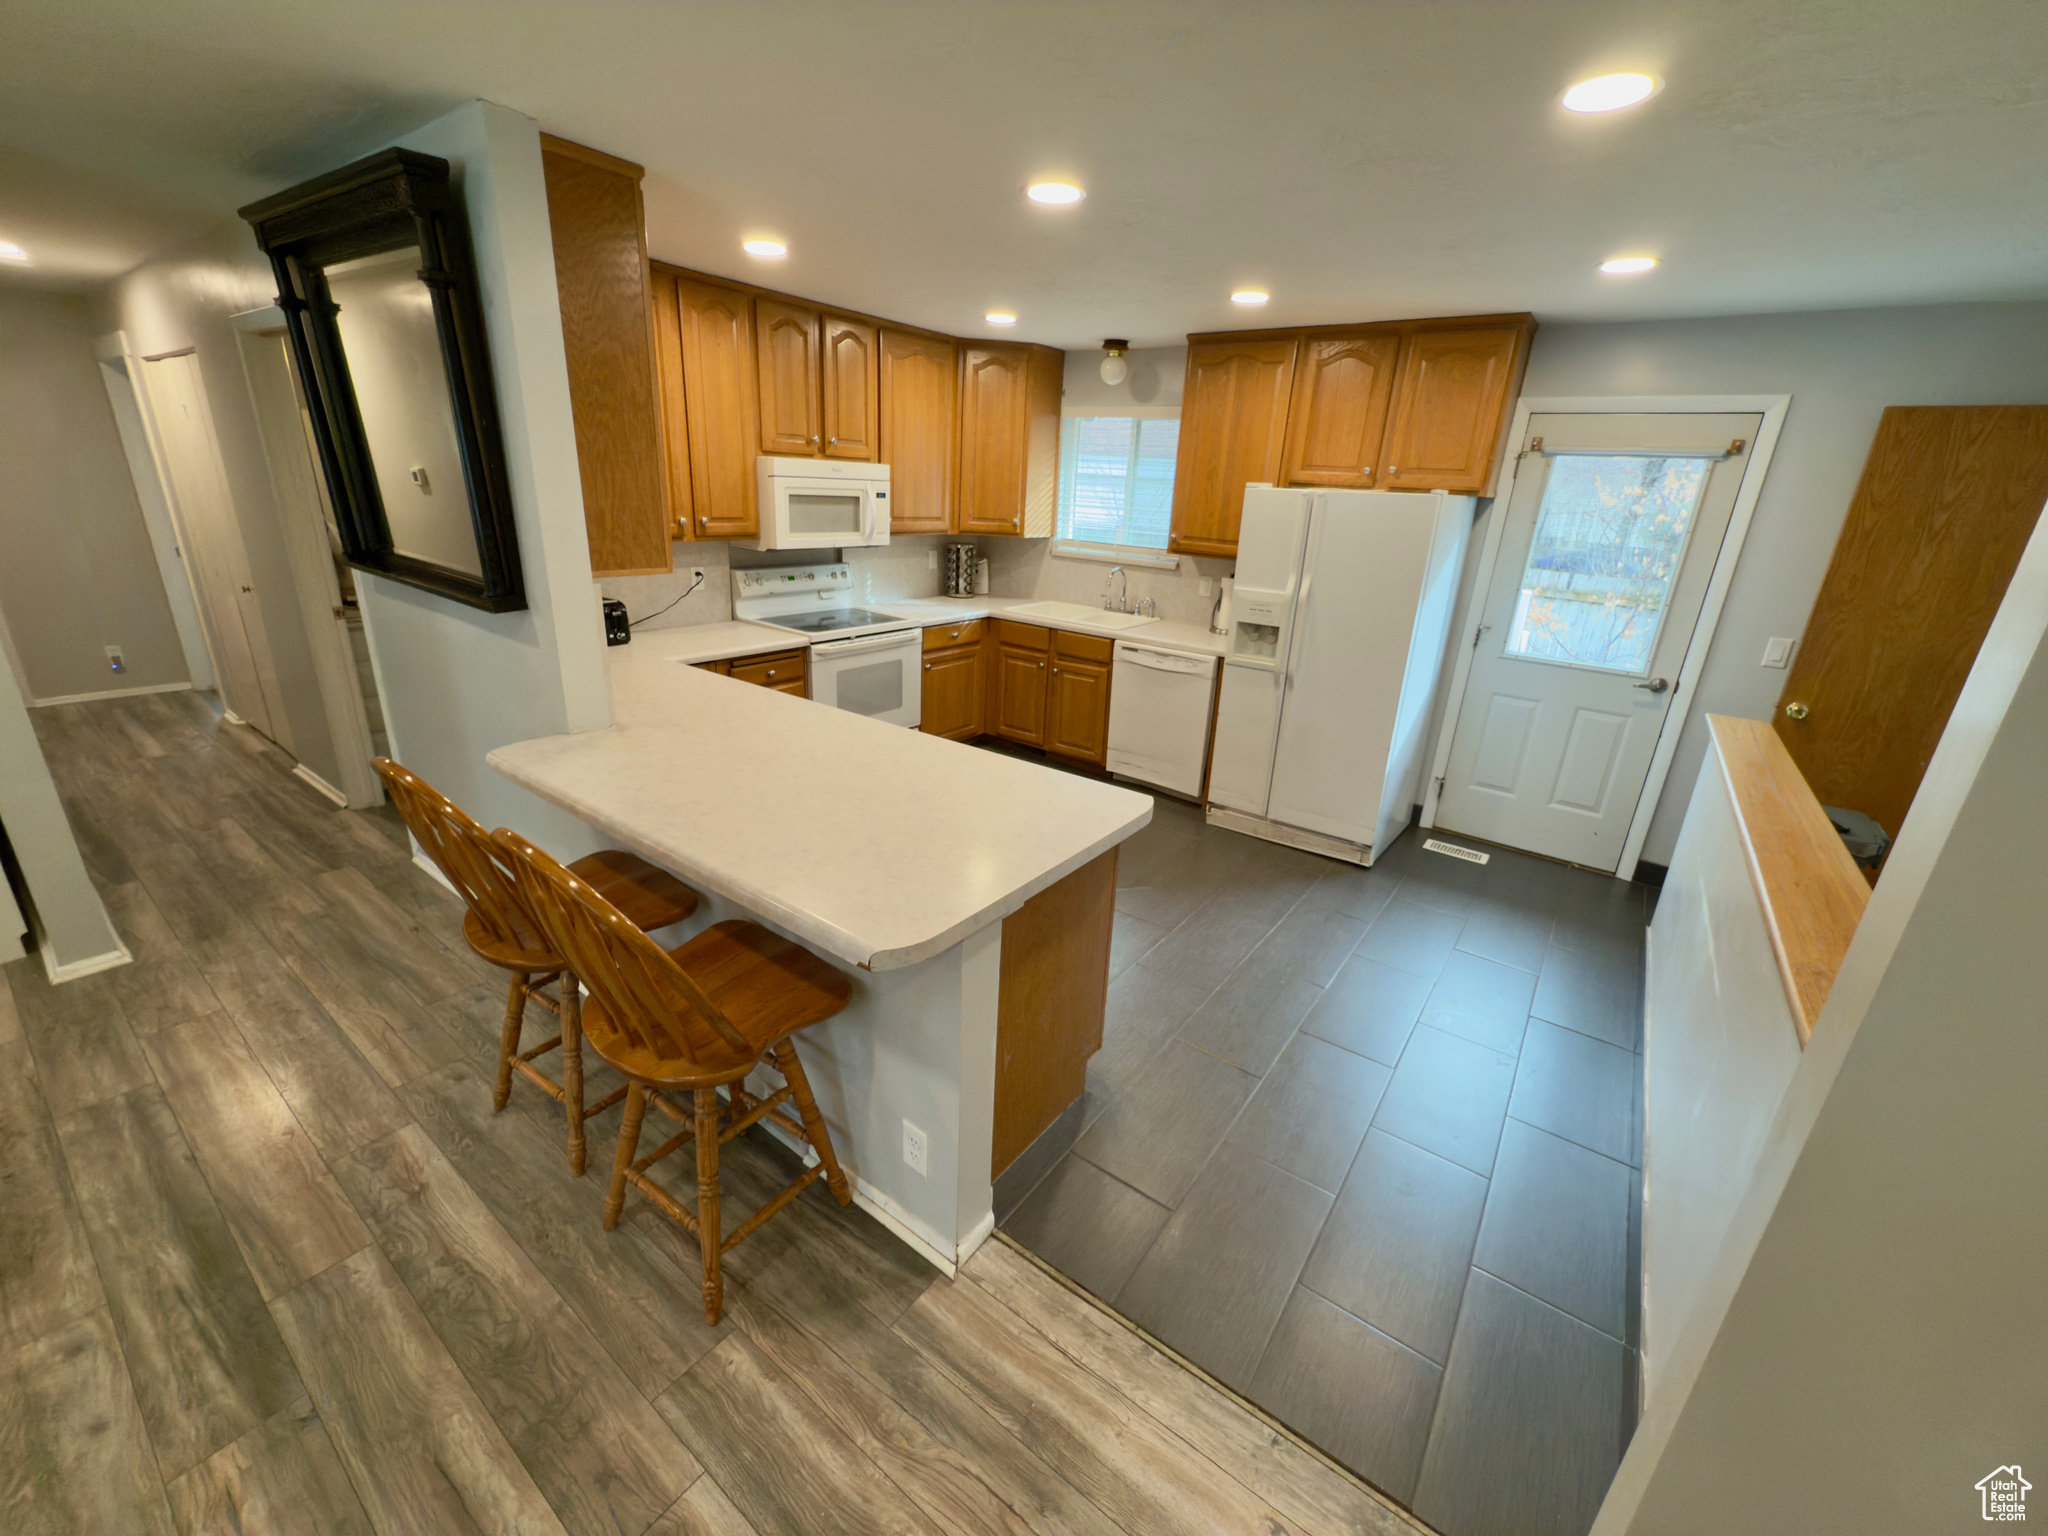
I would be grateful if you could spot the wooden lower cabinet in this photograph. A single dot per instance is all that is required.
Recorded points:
(1077, 698)
(784, 671)
(1017, 684)
(955, 687)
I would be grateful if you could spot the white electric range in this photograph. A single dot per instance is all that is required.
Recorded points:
(861, 660)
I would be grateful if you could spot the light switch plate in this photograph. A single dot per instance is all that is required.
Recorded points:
(931, 559)
(1205, 588)
(1778, 651)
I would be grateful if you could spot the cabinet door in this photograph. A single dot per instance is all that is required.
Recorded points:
(952, 693)
(717, 325)
(919, 390)
(787, 339)
(1077, 710)
(601, 280)
(994, 427)
(1451, 405)
(1233, 429)
(848, 389)
(1020, 686)
(675, 420)
(1338, 413)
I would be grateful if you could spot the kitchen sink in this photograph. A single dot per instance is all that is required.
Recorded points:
(1081, 614)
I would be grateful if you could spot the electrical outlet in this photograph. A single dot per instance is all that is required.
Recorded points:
(931, 559)
(1205, 587)
(1778, 652)
(697, 575)
(114, 661)
(914, 1151)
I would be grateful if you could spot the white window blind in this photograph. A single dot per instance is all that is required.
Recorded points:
(1116, 479)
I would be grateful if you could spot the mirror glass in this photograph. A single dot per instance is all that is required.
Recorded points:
(393, 347)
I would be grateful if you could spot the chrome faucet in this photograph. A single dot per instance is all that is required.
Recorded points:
(1123, 602)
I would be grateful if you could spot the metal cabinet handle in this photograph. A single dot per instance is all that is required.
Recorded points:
(832, 440)
(771, 671)
(1654, 685)
(1796, 711)
(1041, 666)
(927, 666)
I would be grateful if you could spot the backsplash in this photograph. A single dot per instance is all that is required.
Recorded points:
(905, 567)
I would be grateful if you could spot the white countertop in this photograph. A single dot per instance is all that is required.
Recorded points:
(876, 845)
(738, 637)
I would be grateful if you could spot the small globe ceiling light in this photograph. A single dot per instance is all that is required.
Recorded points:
(1000, 317)
(1054, 192)
(1627, 266)
(768, 249)
(9, 251)
(1115, 367)
(1250, 296)
(1607, 93)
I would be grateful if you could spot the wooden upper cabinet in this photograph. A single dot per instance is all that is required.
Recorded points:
(786, 337)
(1009, 438)
(1452, 401)
(1338, 414)
(1233, 429)
(992, 439)
(850, 413)
(918, 390)
(715, 344)
(601, 278)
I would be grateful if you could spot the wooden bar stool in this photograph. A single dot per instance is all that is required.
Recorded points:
(499, 928)
(694, 1019)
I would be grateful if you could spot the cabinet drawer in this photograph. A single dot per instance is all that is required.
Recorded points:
(1070, 647)
(943, 637)
(771, 671)
(1025, 637)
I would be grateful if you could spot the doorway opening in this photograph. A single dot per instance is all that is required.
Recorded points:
(1601, 581)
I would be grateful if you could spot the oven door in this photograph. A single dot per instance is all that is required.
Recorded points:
(876, 676)
(798, 513)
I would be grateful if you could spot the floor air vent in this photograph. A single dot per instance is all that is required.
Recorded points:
(1469, 855)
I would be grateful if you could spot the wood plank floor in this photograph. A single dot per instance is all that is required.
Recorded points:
(268, 1263)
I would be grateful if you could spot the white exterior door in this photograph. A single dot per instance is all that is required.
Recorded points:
(1613, 525)
(211, 536)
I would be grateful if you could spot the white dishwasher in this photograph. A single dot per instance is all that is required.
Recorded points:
(1159, 708)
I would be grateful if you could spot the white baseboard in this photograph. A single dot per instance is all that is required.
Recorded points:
(301, 771)
(111, 693)
(434, 870)
(231, 717)
(91, 965)
(916, 1233)
(977, 1234)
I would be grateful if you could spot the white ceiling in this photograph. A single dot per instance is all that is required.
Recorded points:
(1378, 158)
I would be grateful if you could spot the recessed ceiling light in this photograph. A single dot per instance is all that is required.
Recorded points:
(1623, 266)
(9, 251)
(770, 248)
(1000, 317)
(1250, 296)
(1054, 192)
(1605, 93)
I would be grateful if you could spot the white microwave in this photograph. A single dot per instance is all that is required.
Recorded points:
(822, 504)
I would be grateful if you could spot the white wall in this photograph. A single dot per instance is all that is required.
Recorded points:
(1842, 368)
(1873, 1340)
(185, 301)
(77, 572)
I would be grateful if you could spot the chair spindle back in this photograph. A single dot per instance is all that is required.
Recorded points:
(465, 853)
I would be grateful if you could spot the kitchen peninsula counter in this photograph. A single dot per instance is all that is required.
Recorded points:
(971, 894)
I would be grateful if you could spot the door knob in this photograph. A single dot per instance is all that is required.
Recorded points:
(1655, 685)
(1796, 711)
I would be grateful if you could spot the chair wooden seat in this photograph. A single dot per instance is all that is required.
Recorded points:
(500, 929)
(767, 988)
(698, 1018)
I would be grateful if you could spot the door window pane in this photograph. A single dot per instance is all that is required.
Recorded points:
(1609, 538)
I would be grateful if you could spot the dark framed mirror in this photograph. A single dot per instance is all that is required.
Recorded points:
(380, 301)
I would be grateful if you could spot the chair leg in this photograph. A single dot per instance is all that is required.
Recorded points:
(572, 1065)
(708, 1226)
(792, 1070)
(629, 1148)
(508, 1039)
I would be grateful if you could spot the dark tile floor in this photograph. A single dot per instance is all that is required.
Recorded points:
(1363, 1143)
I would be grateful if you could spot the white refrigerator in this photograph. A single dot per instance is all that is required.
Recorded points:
(1338, 627)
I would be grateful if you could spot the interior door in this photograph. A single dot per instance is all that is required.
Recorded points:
(1613, 524)
(227, 591)
(1948, 499)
